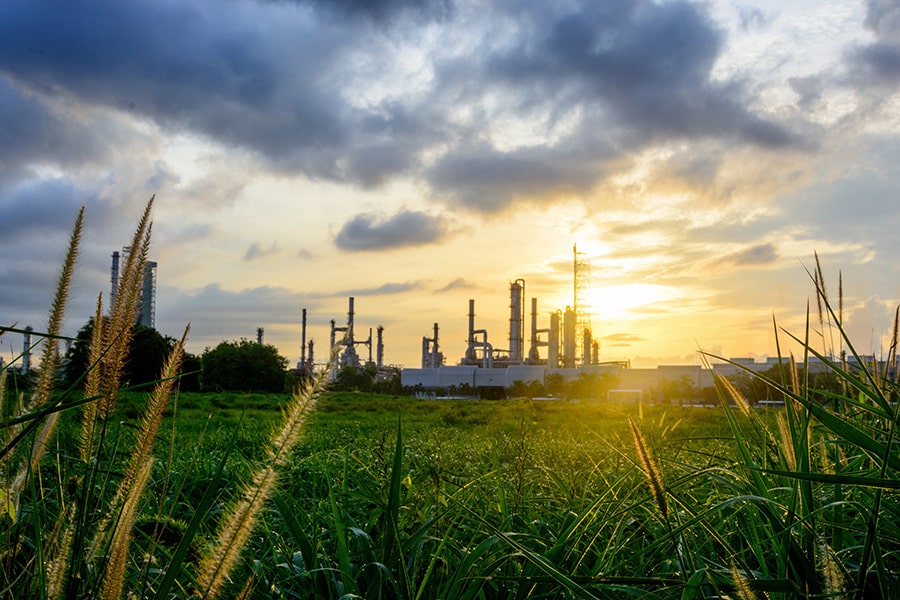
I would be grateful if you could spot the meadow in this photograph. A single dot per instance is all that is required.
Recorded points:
(115, 493)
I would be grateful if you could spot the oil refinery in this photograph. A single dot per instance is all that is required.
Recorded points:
(566, 346)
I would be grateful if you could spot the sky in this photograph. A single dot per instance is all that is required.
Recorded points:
(414, 154)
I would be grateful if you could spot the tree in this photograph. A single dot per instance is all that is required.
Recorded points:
(355, 379)
(520, 389)
(592, 385)
(388, 382)
(190, 373)
(677, 390)
(147, 353)
(243, 366)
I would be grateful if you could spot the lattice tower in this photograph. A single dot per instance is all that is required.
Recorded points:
(582, 271)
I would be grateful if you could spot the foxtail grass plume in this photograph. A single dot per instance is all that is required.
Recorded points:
(132, 486)
(92, 384)
(49, 359)
(742, 585)
(58, 552)
(241, 516)
(787, 442)
(651, 470)
(114, 578)
(734, 393)
(118, 328)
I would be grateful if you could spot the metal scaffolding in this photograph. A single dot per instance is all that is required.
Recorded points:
(582, 307)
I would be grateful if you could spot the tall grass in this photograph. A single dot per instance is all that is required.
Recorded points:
(78, 519)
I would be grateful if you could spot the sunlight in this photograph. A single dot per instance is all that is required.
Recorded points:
(619, 301)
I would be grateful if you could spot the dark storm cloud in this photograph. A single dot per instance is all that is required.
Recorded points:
(31, 131)
(488, 180)
(878, 63)
(184, 64)
(39, 207)
(286, 81)
(882, 16)
(404, 229)
(647, 63)
(380, 10)
(633, 73)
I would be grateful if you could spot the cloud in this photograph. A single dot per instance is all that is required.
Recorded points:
(307, 91)
(457, 284)
(386, 289)
(878, 63)
(623, 339)
(217, 314)
(595, 84)
(255, 251)
(38, 207)
(404, 229)
(171, 235)
(381, 10)
(759, 254)
(752, 18)
(33, 132)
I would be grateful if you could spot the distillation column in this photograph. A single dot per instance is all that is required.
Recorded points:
(534, 355)
(516, 320)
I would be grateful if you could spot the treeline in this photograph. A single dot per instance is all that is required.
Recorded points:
(235, 366)
(239, 366)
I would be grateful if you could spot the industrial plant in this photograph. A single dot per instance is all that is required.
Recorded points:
(344, 342)
(566, 347)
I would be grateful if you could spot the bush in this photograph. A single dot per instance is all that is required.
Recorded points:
(243, 366)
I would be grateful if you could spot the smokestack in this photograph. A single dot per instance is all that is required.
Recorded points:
(379, 354)
(434, 349)
(26, 350)
(113, 280)
(470, 349)
(303, 338)
(350, 323)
